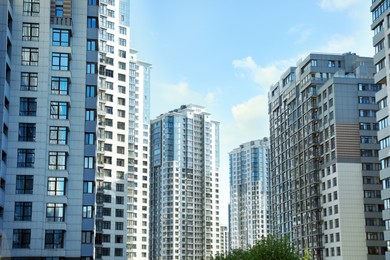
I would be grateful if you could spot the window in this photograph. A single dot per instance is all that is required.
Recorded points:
(105, 251)
(59, 10)
(24, 184)
(88, 187)
(118, 252)
(30, 32)
(58, 110)
(28, 106)
(122, 54)
(86, 237)
(92, 2)
(121, 77)
(30, 56)
(90, 115)
(26, 158)
(122, 65)
(27, 132)
(29, 81)
(90, 91)
(121, 113)
(106, 224)
(59, 86)
(120, 187)
(56, 186)
(89, 162)
(119, 213)
(91, 68)
(89, 138)
(21, 238)
(121, 125)
(23, 211)
(31, 7)
(122, 30)
(54, 238)
(58, 135)
(57, 160)
(91, 45)
(55, 212)
(122, 42)
(60, 61)
(87, 211)
(92, 22)
(118, 225)
(60, 37)
(122, 89)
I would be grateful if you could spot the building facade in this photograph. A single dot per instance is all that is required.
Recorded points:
(72, 103)
(380, 26)
(224, 240)
(184, 179)
(325, 188)
(249, 209)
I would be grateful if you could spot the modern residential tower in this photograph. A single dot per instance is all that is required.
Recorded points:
(74, 112)
(380, 26)
(184, 185)
(325, 188)
(249, 209)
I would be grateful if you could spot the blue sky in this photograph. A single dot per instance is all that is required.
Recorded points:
(225, 54)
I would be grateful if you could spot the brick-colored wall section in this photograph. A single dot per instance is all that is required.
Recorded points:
(347, 140)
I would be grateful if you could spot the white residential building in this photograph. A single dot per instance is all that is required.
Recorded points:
(249, 209)
(184, 198)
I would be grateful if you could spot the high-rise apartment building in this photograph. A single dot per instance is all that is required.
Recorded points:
(184, 179)
(224, 240)
(74, 118)
(380, 25)
(325, 188)
(249, 209)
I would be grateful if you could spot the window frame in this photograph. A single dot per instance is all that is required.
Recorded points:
(56, 186)
(30, 56)
(30, 78)
(57, 160)
(58, 135)
(30, 31)
(21, 238)
(57, 109)
(60, 37)
(23, 211)
(54, 238)
(60, 61)
(31, 7)
(27, 132)
(25, 158)
(59, 86)
(29, 106)
(24, 184)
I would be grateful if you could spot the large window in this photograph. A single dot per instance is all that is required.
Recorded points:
(27, 132)
(90, 91)
(30, 32)
(60, 37)
(86, 237)
(31, 7)
(54, 238)
(24, 184)
(89, 138)
(29, 81)
(87, 211)
(23, 211)
(91, 68)
(90, 115)
(89, 162)
(91, 45)
(56, 186)
(30, 56)
(58, 110)
(92, 22)
(59, 86)
(57, 160)
(21, 238)
(88, 186)
(26, 158)
(60, 61)
(58, 135)
(28, 106)
(55, 212)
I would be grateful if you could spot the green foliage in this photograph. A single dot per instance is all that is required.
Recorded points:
(270, 248)
(307, 255)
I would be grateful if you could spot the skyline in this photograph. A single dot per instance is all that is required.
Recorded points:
(230, 48)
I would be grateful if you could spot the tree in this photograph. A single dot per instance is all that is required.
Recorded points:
(269, 248)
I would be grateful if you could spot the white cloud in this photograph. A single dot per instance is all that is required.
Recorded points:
(264, 76)
(251, 119)
(171, 96)
(336, 5)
